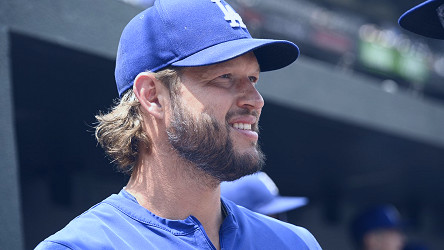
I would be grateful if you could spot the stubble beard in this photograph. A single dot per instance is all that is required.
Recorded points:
(207, 145)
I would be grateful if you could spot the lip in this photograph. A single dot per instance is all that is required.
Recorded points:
(250, 134)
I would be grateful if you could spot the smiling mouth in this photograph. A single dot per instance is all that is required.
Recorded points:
(242, 126)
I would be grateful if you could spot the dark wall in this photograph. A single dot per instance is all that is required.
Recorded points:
(57, 91)
(10, 210)
(343, 168)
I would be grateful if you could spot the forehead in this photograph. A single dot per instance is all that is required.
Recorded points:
(246, 63)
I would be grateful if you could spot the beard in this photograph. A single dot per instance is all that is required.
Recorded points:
(206, 143)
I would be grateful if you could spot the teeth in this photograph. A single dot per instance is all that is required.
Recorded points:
(243, 126)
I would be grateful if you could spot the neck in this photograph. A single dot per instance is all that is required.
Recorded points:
(172, 189)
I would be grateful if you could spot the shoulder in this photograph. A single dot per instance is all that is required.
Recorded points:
(105, 224)
(119, 222)
(86, 227)
(283, 229)
(272, 229)
(51, 245)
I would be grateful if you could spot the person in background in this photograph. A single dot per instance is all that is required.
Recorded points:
(260, 194)
(426, 19)
(378, 228)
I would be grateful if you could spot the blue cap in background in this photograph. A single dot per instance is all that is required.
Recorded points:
(189, 33)
(381, 217)
(426, 19)
(259, 193)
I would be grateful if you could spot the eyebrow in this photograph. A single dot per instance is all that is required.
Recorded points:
(208, 71)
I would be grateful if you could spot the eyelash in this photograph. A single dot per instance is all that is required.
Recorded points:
(251, 78)
(227, 76)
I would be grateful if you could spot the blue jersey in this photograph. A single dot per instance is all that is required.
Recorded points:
(119, 222)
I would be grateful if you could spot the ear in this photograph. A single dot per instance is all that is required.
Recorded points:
(147, 89)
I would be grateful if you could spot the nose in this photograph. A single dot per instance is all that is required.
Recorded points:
(250, 97)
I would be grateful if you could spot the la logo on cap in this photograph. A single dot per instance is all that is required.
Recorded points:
(231, 16)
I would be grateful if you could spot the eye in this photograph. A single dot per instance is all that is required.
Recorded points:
(226, 76)
(253, 79)
(224, 81)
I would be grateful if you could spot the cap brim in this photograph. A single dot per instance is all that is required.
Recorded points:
(271, 54)
(282, 204)
(423, 20)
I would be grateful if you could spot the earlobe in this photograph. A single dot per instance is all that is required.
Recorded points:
(146, 90)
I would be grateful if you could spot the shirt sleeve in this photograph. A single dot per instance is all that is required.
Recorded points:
(309, 239)
(51, 245)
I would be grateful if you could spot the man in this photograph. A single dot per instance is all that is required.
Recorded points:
(186, 72)
(426, 19)
(259, 193)
(378, 228)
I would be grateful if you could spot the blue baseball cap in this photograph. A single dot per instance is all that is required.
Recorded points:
(426, 19)
(259, 193)
(187, 33)
(380, 217)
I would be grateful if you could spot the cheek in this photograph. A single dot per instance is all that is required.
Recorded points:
(191, 104)
(217, 107)
(213, 101)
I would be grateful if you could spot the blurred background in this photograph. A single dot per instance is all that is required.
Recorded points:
(357, 121)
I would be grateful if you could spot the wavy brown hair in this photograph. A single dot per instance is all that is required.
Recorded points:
(120, 131)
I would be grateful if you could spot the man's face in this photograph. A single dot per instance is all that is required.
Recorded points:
(215, 115)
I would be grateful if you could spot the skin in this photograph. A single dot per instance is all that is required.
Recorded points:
(164, 182)
(384, 239)
(205, 140)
